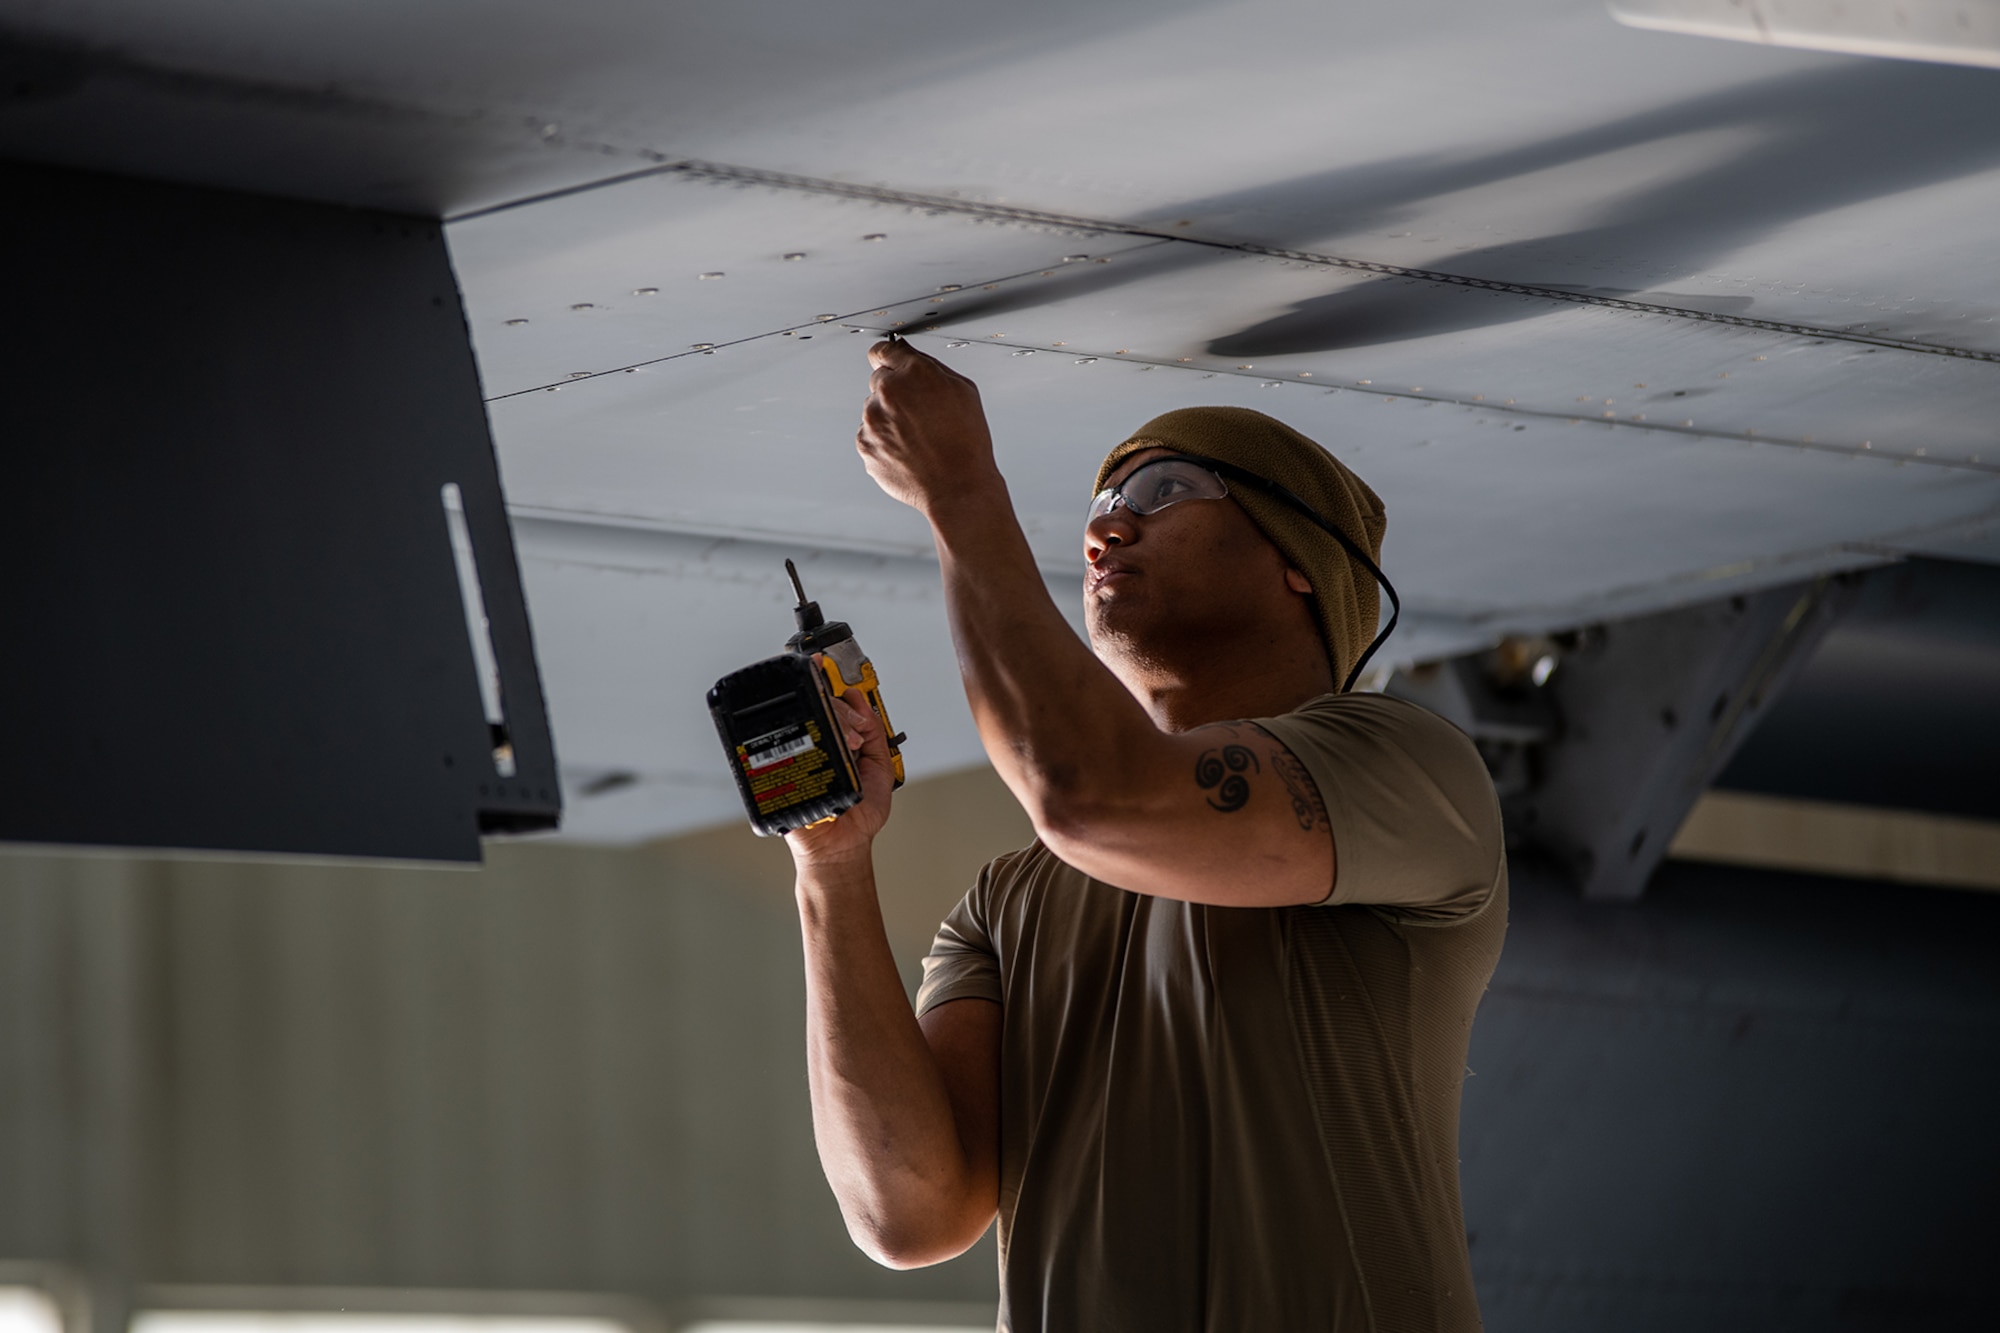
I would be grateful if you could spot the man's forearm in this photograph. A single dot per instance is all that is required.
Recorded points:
(1049, 712)
(882, 1115)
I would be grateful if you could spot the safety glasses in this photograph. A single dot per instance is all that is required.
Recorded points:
(1160, 483)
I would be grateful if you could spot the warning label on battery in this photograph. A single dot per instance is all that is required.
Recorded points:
(786, 767)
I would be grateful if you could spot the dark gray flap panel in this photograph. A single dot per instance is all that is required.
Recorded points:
(240, 433)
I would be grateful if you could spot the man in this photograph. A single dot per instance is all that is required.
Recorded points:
(1199, 1047)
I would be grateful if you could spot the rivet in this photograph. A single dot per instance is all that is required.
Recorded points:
(702, 347)
(826, 319)
(1760, 358)
(1607, 402)
(516, 323)
(1638, 386)
(1146, 368)
(1478, 397)
(951, 287)
(1509, 402)
(805, 337)
(1060, 343)
(1074, 259)
(555, 387)
(1610, 414)
(631, 370)
(937, 300)
(876, 236)
(899, 324)
(1305, 374)
(1638, 416)
(1048, 273)
(1121, 351)
(645, 291)
(1025, 351)
(1103, 261)
(1416, 388)
(794, 256)
(1364, 381)
(1865, 444)
(583, 305)
(1183, 359)
(1723, 376)
(990, 287)
(1688, 422)
(958, 344)
(579, 374)
(1268, 384)
(708, 277)
(881, 312)
(1086, 361)
(1922, 452)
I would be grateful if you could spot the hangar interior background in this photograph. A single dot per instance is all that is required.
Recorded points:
(1675, 359)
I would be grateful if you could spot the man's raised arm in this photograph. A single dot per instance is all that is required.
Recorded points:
(1220, 814)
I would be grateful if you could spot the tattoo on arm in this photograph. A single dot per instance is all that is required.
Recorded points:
(1306, 803)
(1223, 769)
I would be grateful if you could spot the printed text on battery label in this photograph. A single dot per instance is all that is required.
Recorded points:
(783, 750)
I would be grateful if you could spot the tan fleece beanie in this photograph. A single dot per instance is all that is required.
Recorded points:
(1347, 597)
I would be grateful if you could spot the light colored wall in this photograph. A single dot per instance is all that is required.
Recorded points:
(574, 1069)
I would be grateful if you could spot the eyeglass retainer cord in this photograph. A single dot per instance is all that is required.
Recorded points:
(1286, 495)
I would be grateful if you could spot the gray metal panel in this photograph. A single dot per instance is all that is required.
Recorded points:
(1750, 1101)
(1567, 210)
(235, 621)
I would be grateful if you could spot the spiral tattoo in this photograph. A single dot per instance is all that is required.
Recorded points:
(1223, 769)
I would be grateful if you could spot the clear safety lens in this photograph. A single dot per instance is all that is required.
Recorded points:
(1167, 481)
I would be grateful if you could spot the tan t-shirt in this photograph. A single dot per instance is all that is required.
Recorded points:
(1226, 1118)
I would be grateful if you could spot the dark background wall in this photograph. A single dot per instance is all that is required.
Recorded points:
(1749, 1101)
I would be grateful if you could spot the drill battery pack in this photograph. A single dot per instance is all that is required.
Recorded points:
(790, 757)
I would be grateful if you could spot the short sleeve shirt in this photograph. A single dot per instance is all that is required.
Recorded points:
(1229, 1118)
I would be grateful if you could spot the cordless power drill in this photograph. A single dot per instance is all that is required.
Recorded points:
(781, 732)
